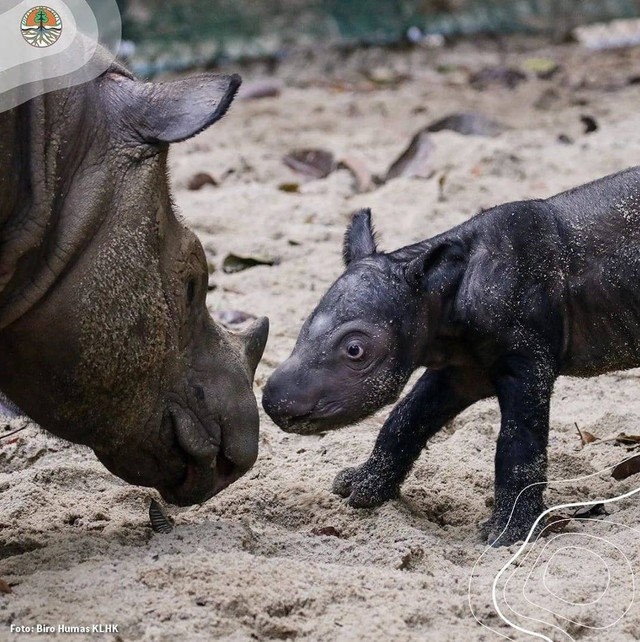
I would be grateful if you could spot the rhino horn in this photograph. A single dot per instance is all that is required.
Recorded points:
(251, 343)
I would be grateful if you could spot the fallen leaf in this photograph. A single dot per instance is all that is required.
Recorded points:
(363, 177)
(627, 440)
(505, 76)
(4, 587)
(468, 124)
(590, 123)
(264, 88)
(627, 468)
(555, 524)
(415, 160)
(330, 531)
(316, 163)
(234, 263)
(442, 181)
(199, 180)
(585, 437)
(542, 67)
(586, 512)
(289, 188)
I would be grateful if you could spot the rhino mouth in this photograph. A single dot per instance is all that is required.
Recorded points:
(312, 423)
(207, 470)
(324, 416)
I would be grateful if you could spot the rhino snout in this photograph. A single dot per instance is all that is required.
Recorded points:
(214, 419)
(215, 454)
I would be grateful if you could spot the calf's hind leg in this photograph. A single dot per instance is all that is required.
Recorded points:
(437, 397)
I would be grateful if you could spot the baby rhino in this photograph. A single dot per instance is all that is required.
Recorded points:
(498, 306)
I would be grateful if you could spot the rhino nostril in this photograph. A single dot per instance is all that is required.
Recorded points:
(226, 472)
(198, 392)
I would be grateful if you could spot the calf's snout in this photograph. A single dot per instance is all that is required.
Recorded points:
(288, 397)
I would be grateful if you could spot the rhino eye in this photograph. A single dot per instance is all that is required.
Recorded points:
(191, 290)
(355, 350)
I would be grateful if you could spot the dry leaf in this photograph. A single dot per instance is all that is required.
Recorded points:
(585, 437)
(555, 524)
(627, 468)
(330, 531)
(264, 88)
(362, 175)
(505, 76)
(468, 124)
(316, 163)
(589, 123)
(415, 160)
(628, 440)
(542, 67)
(199, 180)
(234, 263)
(586, 512)
(4, 587)
(289, 188)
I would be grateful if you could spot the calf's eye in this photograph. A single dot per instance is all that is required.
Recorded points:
(355, 350)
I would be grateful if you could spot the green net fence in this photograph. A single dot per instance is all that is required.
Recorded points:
(170, 35)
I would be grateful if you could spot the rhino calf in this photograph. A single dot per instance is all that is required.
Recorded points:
(105, 337)
(498, 306)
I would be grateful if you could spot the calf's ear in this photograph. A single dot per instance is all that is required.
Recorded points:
(360, 238)
(438, 270)
(170, 112)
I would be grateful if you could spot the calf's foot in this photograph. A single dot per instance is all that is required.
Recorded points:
(365, 486)
(506, 527)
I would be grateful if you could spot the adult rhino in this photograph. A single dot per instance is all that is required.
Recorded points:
(105, 339)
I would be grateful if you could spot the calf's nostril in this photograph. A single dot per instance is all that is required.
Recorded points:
(268, 403)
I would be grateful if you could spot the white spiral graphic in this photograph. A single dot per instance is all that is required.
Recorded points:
(559, 584)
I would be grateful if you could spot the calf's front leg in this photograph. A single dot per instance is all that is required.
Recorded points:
(523, 385)
(437, 397)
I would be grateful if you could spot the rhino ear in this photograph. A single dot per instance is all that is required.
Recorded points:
(171, 112)
(360, 238)
(438, 270)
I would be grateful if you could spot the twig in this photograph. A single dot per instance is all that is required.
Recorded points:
(14, 432)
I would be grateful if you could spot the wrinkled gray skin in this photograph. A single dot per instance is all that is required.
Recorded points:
(498, 306)
(105, 338)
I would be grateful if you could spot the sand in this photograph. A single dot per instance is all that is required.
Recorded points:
(277, 556)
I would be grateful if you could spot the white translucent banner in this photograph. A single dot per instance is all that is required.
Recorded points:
(44, 47)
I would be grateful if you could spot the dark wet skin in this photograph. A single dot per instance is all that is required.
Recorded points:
(498, 306)
(105, 336)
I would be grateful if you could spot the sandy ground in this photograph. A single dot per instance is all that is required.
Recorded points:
(277, 556)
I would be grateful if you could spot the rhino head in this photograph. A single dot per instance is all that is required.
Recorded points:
(105, 338)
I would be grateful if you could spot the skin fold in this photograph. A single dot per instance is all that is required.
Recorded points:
(105, 338)
(499, 306)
